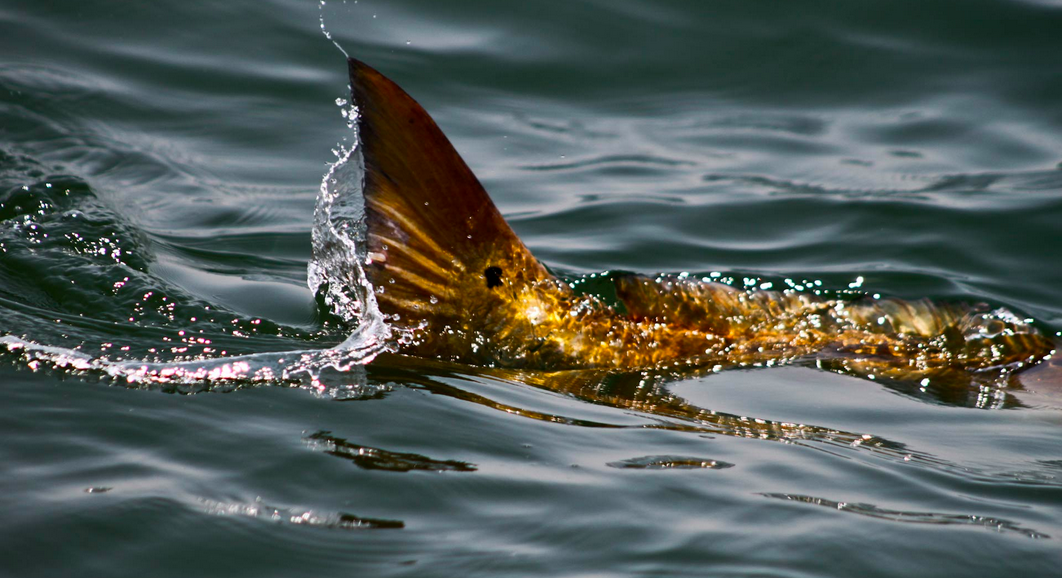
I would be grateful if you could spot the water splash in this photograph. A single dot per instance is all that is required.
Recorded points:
(335, 273)
(336, 372)
(327, 34)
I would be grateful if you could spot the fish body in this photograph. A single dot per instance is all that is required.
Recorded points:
(455, 283)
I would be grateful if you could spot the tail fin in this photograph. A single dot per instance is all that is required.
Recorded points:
(440, 252)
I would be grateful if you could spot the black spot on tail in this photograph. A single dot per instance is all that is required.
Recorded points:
(493, 275)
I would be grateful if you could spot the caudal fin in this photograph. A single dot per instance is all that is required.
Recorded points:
(441, 254)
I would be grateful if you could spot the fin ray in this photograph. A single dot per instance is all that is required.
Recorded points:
(431, 229)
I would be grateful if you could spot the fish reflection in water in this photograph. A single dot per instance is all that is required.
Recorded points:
(644, 393)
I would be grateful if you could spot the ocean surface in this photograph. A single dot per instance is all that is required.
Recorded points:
(173, 401)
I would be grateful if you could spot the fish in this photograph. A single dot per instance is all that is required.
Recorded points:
(455, 283)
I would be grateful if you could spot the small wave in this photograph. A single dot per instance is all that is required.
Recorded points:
(612, 161)
(298, 516)
(369, 458)
(670, 463)
(973, 190)
(777, 122)
(872, 511)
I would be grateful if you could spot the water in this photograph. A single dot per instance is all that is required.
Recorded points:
(159, 170)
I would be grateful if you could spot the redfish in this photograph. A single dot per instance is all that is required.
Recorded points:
(456, 283)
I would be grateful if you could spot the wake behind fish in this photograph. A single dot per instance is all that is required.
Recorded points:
(335, 371)
(335, 273)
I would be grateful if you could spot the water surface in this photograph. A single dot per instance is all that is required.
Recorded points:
(159, 168)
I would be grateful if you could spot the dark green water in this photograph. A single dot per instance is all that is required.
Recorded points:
(159, 166)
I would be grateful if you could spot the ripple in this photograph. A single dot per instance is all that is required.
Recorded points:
(98, 489)
(670, 463)
(298, 516)
(771, 122)
(974, 190)
(913, 517)
(369, 458)
(628, 162)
